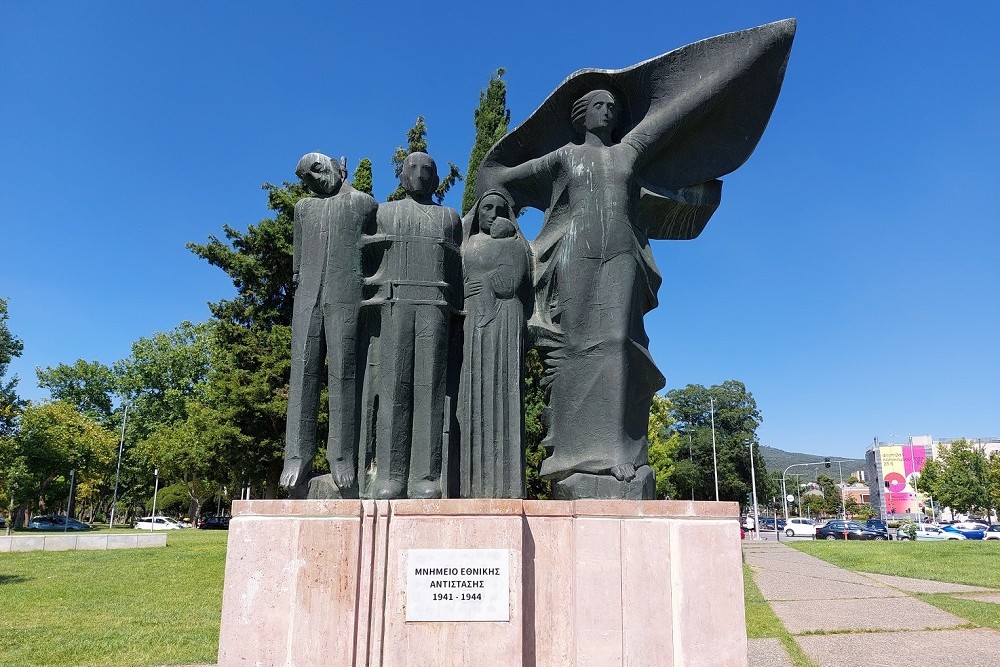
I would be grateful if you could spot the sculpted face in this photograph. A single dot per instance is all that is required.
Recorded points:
(420, 176)
(490, 208)
(320, 173)
(602, 113)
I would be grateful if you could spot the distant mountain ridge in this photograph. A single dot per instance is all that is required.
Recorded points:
(778, 459)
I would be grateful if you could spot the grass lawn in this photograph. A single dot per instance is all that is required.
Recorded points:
(971, 562)
(128, 607)
(762, 622)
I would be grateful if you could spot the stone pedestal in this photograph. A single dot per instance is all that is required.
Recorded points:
(591, 582)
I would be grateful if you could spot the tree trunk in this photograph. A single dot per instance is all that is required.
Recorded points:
(194, 510)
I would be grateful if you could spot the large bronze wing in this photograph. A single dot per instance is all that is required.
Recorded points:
(731, 81)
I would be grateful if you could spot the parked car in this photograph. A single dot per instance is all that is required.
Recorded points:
(993, 532)
(968, 534)
(851, 530)
(970, 525)
(798, 527)
(214, 522)
(924, 532)
(158, 523)
(56, 523)
(879, 526)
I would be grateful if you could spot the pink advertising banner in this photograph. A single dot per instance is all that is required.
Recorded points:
(901, 466)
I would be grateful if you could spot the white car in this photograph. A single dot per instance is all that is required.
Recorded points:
(158, 523)
(970, 525)
(797, 527)
(925, 532)
(993, 532)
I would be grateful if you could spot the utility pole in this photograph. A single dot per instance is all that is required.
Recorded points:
(753, 483)
(156, 488)
(69, 506)
(843, 504)
(715, 461)
(118, 470)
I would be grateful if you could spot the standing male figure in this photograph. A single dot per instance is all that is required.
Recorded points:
(420, 282)
(326, 272)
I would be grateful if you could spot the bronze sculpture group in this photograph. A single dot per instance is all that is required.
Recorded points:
(426, 318)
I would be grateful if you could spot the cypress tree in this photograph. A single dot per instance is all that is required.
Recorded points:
(416, 141)
(363, 177)
(492, 118)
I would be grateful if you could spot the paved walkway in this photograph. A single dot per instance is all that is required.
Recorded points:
(839, 617)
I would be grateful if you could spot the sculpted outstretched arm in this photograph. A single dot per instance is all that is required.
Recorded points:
(664, 119)
(525, 181)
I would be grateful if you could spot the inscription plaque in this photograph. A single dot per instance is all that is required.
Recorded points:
(458, 584)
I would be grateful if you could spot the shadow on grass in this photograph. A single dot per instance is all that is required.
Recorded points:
(12, 579)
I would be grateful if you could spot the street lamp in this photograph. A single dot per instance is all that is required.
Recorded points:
(156, 487)
(118, 470)
(753, 483)
(715, 461)
(843, 503)
(69, 505)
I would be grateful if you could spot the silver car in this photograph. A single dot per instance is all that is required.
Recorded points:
(925, 532)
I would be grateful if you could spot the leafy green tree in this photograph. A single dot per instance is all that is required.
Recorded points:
(492, 117)
(992, 482)
(54, 438)
(363, 176)
(416, 142)
(664, 446)
(736, 419)
(88, 385)
(11, 465)
(831, 494)
(162, 374)
(534, 426)
(247, 393)
(161, 377)
(959, 478)
(812, 504)
(10, 348)
(186, 453)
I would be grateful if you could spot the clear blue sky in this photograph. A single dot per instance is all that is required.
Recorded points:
(850, 277)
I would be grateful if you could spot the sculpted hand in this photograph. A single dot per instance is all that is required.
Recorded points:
(624, 473)
(473, 287)
(502, 287)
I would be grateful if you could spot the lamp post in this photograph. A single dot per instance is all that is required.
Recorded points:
(69, 505)
(715, 461)
(753, 483)
(843, 504)
(156, 488)
(118, 470)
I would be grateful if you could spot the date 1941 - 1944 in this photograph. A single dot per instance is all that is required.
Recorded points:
(461, 597)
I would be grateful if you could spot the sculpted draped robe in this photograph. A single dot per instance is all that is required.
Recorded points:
(687, 117)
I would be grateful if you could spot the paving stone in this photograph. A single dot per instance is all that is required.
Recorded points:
(767, 653)
(941, 648)
(927, 586)
(899, 613)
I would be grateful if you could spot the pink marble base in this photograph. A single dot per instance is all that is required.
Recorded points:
(312, 582)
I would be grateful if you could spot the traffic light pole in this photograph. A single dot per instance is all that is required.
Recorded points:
(826, 462)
